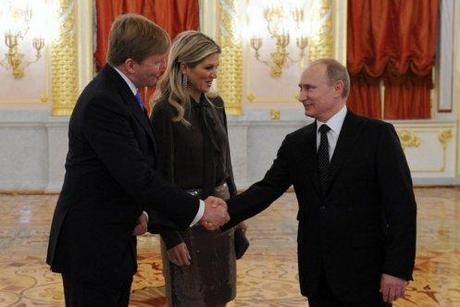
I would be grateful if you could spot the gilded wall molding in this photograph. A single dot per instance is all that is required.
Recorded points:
(64, 61)
(408, 138)
(251, 97)
(322, 45)
(230, 83)
(275, 114)
(444, 137)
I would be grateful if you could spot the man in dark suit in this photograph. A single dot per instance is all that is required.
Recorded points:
(110, 174)
(357, 211)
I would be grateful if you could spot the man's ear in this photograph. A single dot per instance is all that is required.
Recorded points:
(339, 87)
(129, 64)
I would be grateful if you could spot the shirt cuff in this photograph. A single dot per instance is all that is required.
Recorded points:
(146, 215)
(199, 214)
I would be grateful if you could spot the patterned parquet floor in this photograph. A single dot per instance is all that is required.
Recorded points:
(267, 274)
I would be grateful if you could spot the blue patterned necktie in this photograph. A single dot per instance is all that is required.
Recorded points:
(139, 100)
(323, 156)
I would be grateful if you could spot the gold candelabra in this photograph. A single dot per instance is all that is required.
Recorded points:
(276, 18)
(17, 20)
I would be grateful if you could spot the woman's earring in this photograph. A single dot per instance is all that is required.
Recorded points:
(184, 80)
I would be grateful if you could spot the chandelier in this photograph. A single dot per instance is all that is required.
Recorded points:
(25, 26)
(282, 22)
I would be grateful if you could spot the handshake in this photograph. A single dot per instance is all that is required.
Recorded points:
(215, 213)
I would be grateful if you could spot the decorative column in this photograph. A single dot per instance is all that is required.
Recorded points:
(229, 83)
(64, 61)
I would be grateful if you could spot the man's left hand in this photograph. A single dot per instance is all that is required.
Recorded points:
(392, 287)
(141, 226)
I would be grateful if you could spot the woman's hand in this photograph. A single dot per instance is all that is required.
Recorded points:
(242, 226)
(179, 255)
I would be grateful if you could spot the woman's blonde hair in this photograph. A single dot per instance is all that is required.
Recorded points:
(190, 48)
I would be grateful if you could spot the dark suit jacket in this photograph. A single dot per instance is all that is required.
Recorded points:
(363, 226)
(109, 180)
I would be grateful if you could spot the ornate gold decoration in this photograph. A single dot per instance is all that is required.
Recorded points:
(64, 55)
(275, 15)
(251, 97)
(230, 84)
(20, 19)
(44, 98)
(275, 114)
(408, 139)
(322, 45)
(444, 137)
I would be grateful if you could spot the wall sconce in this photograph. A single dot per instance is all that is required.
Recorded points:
(25, 25)
(281, 20)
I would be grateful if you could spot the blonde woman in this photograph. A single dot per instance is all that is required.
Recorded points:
(191, 126)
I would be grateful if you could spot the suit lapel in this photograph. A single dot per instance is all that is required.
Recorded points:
(130, 100)
(345, 144)
(140, 115)
(310, 161)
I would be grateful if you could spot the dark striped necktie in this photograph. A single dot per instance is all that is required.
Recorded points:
(323, 156)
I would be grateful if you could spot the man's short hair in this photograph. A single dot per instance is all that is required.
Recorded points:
(335, 71)
(136, 37)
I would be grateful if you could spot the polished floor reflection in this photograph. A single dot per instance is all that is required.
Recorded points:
(267, 275)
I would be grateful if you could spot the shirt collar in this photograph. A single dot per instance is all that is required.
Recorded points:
(130, 83)
(335, 122)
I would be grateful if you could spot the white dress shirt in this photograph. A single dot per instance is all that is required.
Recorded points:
(134, 89)
(335, 123)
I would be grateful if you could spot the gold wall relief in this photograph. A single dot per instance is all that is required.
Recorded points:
(444, 137)
(408, 139)
(251, 97)
(230, 83)
(64, 62)
(275, 114)
(322, 45)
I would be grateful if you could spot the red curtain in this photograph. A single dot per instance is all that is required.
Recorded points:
(408, 81)
(394, 41)
(365, 97)
(174, 16)
(367, 43)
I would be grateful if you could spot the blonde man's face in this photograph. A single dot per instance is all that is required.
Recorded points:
(148, 72)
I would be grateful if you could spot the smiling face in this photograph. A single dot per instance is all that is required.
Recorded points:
(201, 76)
(149, 71)
(321, 97)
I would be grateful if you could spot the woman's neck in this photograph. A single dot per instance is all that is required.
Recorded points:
(196, 95)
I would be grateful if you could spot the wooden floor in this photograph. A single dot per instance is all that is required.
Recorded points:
(267, 275)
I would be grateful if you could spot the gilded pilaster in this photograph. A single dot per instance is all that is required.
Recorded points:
(230, 82)
(322, 44)
(64, 61)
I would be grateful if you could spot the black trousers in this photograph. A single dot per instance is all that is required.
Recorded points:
(88, 294)
(326, 298)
